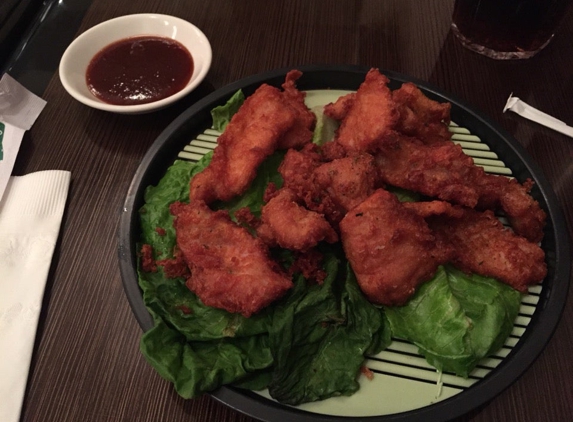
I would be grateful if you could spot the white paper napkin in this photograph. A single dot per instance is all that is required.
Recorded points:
(31, 212)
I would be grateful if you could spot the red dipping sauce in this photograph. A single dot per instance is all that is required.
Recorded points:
(139, 70)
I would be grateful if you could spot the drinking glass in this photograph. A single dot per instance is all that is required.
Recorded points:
(507, 29)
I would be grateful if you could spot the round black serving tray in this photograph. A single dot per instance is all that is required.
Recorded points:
(556, 242)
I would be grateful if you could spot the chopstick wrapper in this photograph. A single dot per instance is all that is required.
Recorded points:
(31, 212)
(531, 113)
(19, 109)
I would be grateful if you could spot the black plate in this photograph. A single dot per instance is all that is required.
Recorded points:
(556, 242)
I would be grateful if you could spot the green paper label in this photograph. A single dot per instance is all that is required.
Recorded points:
(2, 127)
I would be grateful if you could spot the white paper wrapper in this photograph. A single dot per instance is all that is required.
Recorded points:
(525, 110)
(19, 109)
(30, 216)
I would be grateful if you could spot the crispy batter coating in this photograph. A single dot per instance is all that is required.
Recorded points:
(421, 117)
(426, 209)
(414, 152)
(310, 265)
(482, 245)
(390, 248)
(439, 170)
(300, 133)
(443, 251)
(268, 120)
(230, 269)
(245, 217)
(330, 188)
(250, 137)
(442, 170)
(418, 116)
(291, 226)
(297, 167)
(524, 213)
(347, 181)
(372, 116)
(340, 108)
(332, 150)
(174, 267)
(147, 259)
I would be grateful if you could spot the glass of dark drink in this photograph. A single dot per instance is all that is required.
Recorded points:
(507, 29)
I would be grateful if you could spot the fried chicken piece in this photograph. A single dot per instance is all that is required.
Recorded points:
(297, 170)
(331, 151)
(390, 248)
(442, 170)
(301, 132)
(340, 108)
(291, 226)
(347, 181)
(268, 120)
(524, 213)
(330, 188)
(426, 209)
(297, 167)
(250, 137)
(443, 252)
(230, 269)
(439, 170)
(482, 245)
(421, 117)
(372, 116)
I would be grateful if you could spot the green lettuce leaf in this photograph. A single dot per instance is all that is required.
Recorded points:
(457, 319)
(196, 347)
(253, 197)
(222, 114)
(168, 298)
(319, 337)
(199, 348)
(197, 367)
(325, 127)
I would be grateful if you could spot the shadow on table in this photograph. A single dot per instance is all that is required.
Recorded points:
(133, 134)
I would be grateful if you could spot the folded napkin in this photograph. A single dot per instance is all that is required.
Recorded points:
(31, 212)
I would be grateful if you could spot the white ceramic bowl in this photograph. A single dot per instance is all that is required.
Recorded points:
(79, 53)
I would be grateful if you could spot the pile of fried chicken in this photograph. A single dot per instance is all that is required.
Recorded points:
(337, 192)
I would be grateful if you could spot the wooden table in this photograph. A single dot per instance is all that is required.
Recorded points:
(87, 365)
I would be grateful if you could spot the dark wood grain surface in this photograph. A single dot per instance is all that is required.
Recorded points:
(87, 365)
